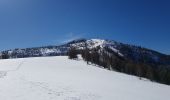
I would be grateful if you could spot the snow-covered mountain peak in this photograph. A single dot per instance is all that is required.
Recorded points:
(90, 43)
(93, 43)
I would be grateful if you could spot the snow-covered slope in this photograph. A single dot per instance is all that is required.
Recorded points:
(58, 78)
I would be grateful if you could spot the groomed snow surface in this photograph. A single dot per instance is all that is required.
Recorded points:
(58, 78)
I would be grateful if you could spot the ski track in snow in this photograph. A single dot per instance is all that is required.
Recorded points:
(4, 72)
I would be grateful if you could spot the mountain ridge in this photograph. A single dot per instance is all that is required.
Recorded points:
(133, 52)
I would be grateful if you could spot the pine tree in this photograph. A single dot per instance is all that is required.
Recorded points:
(72, 53)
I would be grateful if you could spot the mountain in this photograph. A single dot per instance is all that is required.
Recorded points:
(109, 54)
(126, 51)
(59, 78)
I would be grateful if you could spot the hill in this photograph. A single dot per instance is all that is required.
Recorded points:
(58, 78)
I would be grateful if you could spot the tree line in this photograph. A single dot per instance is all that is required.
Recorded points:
(113, 61)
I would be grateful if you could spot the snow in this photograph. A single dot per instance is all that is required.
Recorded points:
(45, 51)
(58, 78)
(93, 43)
(116, 51)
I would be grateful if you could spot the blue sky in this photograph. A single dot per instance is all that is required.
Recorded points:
(31, 23)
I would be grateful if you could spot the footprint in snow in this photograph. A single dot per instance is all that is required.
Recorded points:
(3, 74)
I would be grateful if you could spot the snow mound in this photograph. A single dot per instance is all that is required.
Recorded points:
(58, 78)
